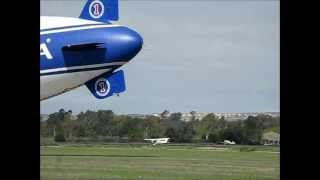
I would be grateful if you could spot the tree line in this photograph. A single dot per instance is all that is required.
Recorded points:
(106, 125)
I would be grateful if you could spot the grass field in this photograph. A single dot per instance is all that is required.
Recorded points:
(126, 162)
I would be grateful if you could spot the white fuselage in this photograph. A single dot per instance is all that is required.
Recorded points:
(158, 140)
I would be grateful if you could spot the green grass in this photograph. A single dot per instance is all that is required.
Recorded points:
(127, 162)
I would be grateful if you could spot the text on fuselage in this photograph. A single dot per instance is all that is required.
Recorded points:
(44, 51)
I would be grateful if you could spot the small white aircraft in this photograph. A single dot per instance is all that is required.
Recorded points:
(227, 142)
(158, 141)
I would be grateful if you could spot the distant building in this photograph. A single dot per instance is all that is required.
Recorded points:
(45, 117)
(271, 138)
(200, 115)
(243, 116)
(140, 116)
(188, 116)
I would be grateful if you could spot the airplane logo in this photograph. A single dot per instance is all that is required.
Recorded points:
(96, 9)
(102, 87)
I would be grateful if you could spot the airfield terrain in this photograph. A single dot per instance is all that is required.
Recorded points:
(167, 162)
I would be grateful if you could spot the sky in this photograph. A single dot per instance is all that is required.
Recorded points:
(206, 56)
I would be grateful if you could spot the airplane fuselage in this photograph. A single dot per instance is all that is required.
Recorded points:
(158, 141)
(74, 51)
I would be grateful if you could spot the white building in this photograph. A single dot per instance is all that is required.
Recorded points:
(271, 138)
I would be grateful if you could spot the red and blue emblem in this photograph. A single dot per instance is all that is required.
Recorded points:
(96, 9)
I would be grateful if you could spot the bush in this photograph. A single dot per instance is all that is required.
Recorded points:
(47, 142)
(59, 138)
(214, 137)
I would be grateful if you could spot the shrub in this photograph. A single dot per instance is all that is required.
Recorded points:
(59, 138)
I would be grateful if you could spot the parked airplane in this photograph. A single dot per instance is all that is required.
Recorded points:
(158, 141)
(86, 51)
(227, 142)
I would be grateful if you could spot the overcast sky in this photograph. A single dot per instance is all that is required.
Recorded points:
(207, 56)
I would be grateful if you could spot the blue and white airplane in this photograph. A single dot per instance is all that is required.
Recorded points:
(86, 51)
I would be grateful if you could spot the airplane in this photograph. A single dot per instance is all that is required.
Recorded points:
(86, 51)
(227, 142)
(158, 141)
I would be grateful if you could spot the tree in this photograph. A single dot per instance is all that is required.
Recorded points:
(59, 137)
(253, 130)
(214, 137)
(67, 123)
(186, 132)
(164, 114)
(152, 127)
(175, 117)
(135, 130)
(233, 132)
(89, 121)
(193, 115)
(208, 125)
(104, 123)
(222, 123)
(172, 134)
(43, 129)
(173, 125)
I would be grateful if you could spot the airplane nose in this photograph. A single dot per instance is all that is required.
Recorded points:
(129, 43)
